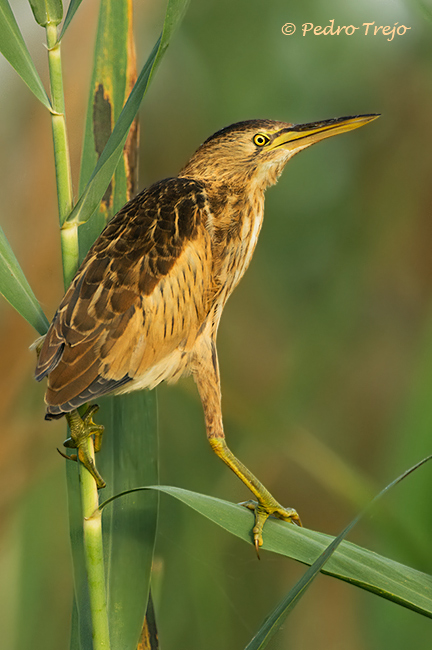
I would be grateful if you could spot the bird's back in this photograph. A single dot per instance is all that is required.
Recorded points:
(134, 309)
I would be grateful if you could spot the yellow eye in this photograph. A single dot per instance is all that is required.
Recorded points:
(260, 139)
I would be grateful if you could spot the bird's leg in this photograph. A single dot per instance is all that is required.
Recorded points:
(81, 428)
(206, 374)
(266, 504)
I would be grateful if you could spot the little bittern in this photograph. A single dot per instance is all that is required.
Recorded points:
(146, 303)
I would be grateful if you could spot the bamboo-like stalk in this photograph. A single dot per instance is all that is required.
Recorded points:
(69, 233)
(93, 548)
(92, 526)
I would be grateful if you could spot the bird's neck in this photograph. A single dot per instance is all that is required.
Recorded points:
(234, 221)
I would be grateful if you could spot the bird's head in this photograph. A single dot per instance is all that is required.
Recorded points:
(256, 151)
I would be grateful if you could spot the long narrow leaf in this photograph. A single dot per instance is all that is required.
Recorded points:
(129, 456)
(73, 6)
(351, 563)
(14, 49)
(107, 163)
(17, 291)
(114, 74)
(273, 622)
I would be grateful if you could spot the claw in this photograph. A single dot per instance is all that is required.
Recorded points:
(81, 429)
(295, 519)
(71, 457)
(262, 512)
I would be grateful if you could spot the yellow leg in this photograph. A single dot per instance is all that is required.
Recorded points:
(206, 375)
(81, 429)
(267, 505)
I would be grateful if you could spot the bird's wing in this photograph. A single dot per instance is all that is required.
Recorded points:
(142, 292)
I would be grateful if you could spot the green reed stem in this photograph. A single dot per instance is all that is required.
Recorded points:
(93, 549)
(69, 235)
(92, 525)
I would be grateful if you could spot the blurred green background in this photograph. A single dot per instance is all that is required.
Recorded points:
(325, 348)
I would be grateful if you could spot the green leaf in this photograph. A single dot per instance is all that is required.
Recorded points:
(110, 85)
(47, 11)
(14, 49)
(17, 291)
(73, 6)
(351, 563)
(129, 457)
(107, 163)
(273, 622)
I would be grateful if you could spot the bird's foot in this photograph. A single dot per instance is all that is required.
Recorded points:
(81, 429)
(263, 510)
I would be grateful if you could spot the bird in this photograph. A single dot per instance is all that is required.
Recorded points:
(145, 305)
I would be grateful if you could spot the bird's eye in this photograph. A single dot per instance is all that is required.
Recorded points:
(260, 139)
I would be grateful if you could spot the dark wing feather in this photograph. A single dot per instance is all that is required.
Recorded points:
(123, 312)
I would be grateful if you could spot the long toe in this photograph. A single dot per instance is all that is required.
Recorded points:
(262, 512)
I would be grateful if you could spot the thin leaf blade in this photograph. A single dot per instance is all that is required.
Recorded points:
(351, 563)
(275, 620)
(14, 49)
(17, 291)
(73, 6)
